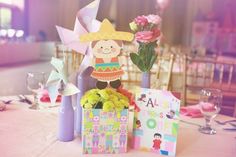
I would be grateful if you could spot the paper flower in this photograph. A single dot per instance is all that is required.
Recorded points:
(85, 22)
(57, 82)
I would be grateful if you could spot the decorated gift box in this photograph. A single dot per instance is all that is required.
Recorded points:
(105, 121)
(156, 121)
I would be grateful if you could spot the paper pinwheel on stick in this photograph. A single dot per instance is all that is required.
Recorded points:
(85, 22)
(58, 82)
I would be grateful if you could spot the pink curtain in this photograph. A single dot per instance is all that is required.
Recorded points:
(127, 10)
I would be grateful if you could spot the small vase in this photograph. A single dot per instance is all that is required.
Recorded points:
(84, 83)
(66, 120)
(145, 82)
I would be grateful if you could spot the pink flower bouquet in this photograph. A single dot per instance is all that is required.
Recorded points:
(147, 33)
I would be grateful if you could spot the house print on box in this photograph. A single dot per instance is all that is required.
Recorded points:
(156, 124)
(104, 132)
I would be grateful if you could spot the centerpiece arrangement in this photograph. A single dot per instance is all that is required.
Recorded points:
(105, 111)
(147, 34)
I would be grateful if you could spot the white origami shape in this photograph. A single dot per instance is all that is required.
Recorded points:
(58, 82)
(85, 22)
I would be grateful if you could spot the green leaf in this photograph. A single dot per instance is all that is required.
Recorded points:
(134, 58)
(142, 52)
(150, 53)
(137, 61)
(141, 66)
(153, 59)
(146, 57)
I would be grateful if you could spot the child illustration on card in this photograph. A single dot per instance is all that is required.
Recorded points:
(138, 124)
(171, 114)
(157, 141)
(142, 98)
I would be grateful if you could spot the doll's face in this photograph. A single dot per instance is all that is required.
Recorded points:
(106, 48)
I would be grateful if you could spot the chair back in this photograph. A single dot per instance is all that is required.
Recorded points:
(164, 71)
(210, 73)
(72, 58)
(160, 73)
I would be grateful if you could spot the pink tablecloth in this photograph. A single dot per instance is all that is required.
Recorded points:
(27, 133)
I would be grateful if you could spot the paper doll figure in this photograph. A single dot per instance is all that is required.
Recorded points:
(171, 114)
(88, 141)
(116, 137)
(96, 120)
(123, 135)
(95, 136)
(106, 45)
(102, 142)
(157, 141)
(107, 65)
(95, 139)
(109, 141)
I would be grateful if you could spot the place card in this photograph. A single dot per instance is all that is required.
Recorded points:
(156, 121)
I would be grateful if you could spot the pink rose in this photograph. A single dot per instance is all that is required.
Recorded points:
(155, 19)
(156, 33)
(147, 36)
(141, 20)
(144, 36)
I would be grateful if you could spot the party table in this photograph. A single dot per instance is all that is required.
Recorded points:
(23, 52)
(31, 133)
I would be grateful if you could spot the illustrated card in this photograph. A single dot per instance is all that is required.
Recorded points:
(156, 121)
